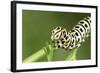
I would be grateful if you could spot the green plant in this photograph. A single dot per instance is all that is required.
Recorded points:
(48, 51)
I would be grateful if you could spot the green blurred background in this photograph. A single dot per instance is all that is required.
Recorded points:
(36, 31)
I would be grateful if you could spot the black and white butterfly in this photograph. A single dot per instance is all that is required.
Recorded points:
(72, 38)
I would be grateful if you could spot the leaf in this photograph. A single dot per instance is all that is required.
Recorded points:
(72, 55)
(48, 50)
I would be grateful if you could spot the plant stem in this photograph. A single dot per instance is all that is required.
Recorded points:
(35, 56)
(48, 51)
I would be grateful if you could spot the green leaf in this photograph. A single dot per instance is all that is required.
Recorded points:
(72, 55)
(48, 51)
